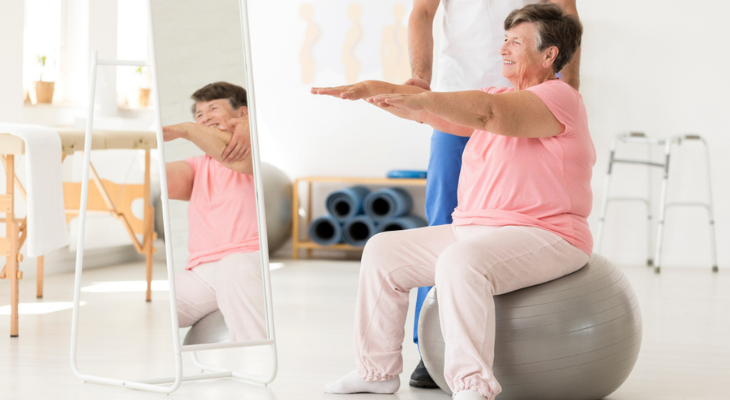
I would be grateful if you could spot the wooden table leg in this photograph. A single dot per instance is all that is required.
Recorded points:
(11, 229)
(14, 277)
(148, 266)
(309, 211)
(39, 279)
(148, 250)
(148, 225)
(295, 220)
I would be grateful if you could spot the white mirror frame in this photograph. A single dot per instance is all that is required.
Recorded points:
(155, 385)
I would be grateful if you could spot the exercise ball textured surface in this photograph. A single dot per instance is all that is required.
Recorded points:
(573, 338)
(277, 199)
(210, 329)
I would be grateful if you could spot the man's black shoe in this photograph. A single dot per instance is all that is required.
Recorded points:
(421, 379)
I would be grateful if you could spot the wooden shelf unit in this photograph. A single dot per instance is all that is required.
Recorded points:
(308, 245)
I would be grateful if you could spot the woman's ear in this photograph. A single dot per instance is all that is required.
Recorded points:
(243, 110)
(549, 56)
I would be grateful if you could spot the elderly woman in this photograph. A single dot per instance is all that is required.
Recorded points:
(523, 198)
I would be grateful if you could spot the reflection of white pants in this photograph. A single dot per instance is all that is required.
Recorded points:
(232, 284)
(468, 265)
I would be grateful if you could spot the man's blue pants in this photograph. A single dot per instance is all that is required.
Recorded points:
(444, 166)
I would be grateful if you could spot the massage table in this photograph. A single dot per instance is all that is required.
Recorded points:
(104, 197)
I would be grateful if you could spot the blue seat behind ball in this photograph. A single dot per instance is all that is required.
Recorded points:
(573, 338)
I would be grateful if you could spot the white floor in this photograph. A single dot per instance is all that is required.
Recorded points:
(685, 352)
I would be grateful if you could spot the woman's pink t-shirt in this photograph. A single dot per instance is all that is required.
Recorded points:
(221, 213)
(540, 182)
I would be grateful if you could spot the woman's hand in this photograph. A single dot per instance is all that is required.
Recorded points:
(395, 104)
(411, 102)
(355, 91)
(172, 132)
(240, 139)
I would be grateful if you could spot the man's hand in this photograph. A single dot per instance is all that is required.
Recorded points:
(172, 132)
(355, 91)
(418, 82)
(240, 142)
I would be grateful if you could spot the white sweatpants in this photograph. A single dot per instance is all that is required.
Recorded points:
(468, 265)
(232, 284)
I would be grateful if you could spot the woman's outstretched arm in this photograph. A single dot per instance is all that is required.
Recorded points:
(212, 141)
(367, 89)
(517, 114)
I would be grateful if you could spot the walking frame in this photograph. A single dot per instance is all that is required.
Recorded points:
(667, 144)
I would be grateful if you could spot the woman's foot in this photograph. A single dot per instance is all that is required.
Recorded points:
(469, 395)
(353, 383)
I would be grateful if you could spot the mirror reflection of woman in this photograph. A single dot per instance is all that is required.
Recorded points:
(524, 196)
(223, 270)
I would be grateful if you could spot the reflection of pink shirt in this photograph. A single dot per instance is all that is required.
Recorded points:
(221, 214)
(541, 182)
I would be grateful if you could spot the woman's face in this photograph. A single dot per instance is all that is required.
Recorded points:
(215, 112)
(520, 60)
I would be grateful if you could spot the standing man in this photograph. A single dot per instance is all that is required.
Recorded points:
(469, 59)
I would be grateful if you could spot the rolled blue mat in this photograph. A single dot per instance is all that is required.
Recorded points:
(358, 230)
(346, 203)
(388, 203)
(325, 231)
(401, 223)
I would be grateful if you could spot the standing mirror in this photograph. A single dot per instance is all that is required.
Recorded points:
(211, 192)
(213, 224)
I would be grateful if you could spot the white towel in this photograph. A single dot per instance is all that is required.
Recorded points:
(47, 228)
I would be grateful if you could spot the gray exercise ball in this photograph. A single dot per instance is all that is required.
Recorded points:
(277, 199)
(573, 338)
(210, 329)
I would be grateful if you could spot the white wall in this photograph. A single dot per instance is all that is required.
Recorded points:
(654, 66)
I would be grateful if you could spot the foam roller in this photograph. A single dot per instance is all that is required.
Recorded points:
(388, 203)
(325, 231)
(358, 230)
(346, 203)
(401, 223)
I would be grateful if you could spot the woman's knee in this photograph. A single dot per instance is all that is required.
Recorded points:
(458, 263)
(381, 250)
(375, 249)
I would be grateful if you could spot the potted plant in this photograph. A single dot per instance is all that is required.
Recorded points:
(43, 90)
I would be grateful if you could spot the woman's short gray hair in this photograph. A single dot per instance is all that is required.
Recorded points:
(554, 28)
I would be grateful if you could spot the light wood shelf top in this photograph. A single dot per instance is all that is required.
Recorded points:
(363, 181)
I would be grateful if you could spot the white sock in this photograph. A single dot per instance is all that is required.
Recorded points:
(353, 383)
(469, 395)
